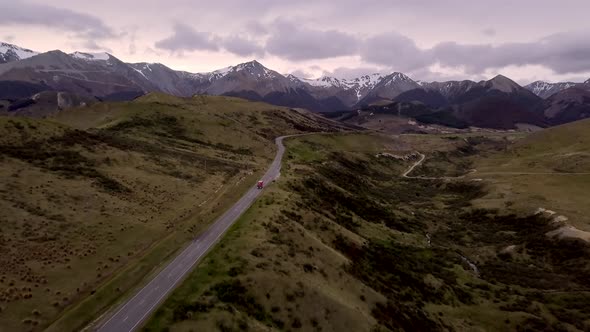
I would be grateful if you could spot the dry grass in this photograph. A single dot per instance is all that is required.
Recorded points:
(341, 232)
(540, 171)
(113, 190)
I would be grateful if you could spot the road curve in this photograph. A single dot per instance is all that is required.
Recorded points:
(416, 164)
(129, 316)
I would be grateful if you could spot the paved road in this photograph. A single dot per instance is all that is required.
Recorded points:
(130, 315)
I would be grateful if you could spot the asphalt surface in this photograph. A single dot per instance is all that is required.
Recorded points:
(130, 315)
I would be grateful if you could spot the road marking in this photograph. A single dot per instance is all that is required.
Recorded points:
(144, 288)
(166, 291)
(125, 319)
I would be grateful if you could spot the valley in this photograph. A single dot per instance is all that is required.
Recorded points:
(345, 241)
(399, 226)
(313, 166)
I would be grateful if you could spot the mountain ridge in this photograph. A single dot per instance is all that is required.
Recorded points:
(545, 89)
(105, 77)
(10, 52)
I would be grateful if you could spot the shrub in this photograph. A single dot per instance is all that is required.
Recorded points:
(296, 324)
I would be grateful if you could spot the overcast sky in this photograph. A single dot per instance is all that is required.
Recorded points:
(526, 40)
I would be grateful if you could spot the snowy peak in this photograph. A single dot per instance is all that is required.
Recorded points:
(293, 78)
(324, 81)
(143, 68)
(545, 89)
(362, 86)
(365, 81)
(368, 81)
(10, 52)
(252, 68)
(396, 77)
(91, 56)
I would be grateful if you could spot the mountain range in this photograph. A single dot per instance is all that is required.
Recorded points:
(496, 103)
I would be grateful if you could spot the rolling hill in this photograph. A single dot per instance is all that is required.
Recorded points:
(93, 198)
(345, 242)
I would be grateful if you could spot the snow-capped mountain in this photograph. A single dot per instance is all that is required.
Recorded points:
(545, 89)
(85, 75)
(389, 87)
(91, 56)
(249, 76)
(360, 85)
(104, 76)
(325, 82)
(9, 53)
(251, 80)
(350, 91)
(366, 81)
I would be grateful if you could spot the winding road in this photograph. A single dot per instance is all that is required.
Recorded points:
(423, 157)
(420, 177)
(130, 315)
(411, 168)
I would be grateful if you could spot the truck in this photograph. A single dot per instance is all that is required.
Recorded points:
(260, 184)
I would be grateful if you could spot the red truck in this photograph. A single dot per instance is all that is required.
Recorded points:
(260, 185)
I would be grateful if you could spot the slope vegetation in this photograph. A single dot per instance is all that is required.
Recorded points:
(548, 169)
(344, 242)
(92, 200)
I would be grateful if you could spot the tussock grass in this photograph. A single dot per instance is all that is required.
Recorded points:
(93, 200)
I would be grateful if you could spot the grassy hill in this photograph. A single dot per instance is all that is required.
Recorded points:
(547, 169)
(94, 199)
(343, 242)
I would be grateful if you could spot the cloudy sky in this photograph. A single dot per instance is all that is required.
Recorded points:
(526, 40)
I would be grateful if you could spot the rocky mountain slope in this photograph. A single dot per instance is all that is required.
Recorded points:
(9, 53)
(499, 103)
(568, 105)
(80, 73)
(545, 89)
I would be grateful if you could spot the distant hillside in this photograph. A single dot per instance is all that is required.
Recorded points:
(567, 138)
(568, 105)
(46, 103)
(545, 89)
(14, 90)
